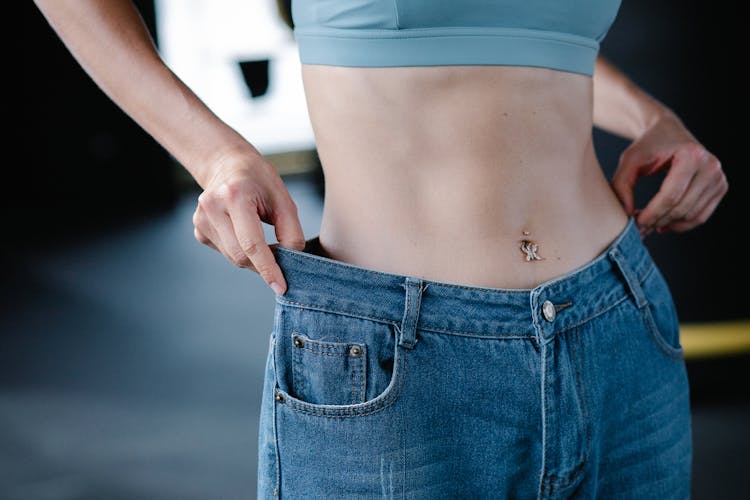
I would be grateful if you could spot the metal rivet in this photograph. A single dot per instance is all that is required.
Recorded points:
(548, 311)
(298, 342)
(279, 397)
(355, 350)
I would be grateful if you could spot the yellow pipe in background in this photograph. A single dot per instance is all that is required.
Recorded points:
(722, 338)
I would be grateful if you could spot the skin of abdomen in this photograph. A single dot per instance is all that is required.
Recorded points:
(437, 171)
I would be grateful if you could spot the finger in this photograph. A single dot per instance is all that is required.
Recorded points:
(718, 188)
(672, 189)
(202, 238)
(232, 246)
(221, 224)
(203, 231)
(632, 165)
(248, 231)
(709, 178)
(717, 184)
(287, 227)
(700, 218)
(623, 183)
(699, 189)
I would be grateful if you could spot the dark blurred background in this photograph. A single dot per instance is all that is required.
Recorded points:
(132, 357)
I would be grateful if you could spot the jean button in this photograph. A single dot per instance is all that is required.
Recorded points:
(548, 311)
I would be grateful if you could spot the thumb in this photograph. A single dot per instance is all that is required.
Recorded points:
(632, 165)
(623, 183)
(288, 229)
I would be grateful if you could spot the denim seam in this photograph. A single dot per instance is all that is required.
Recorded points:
(324, 352)
(357, 380)
(344, 413)
(584, 393)
(314, 307)
(277, 486)
(440, 331)
(673, 353)
(363, 376)
(403, 464)
(642, 279)
(405, 319)
(323, 345)
(575, 339)
(391, 322)
(543, 382)
(533, 303)
(298, 380)
(645, 275)
(589, 318)
(552, 482)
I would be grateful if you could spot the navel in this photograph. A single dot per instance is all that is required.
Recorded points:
(529, 248)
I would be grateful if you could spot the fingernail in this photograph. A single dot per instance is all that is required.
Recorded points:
(276, 288)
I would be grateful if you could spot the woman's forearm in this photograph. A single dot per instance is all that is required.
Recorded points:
(620, 106)
(110, 41)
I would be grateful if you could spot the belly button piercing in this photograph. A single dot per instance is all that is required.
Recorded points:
(529, 249)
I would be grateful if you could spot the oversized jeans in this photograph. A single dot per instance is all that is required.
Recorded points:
(380, 385)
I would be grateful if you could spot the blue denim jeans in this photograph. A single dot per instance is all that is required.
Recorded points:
(380, 385)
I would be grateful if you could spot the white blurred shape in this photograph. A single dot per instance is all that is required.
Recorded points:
(203, 42)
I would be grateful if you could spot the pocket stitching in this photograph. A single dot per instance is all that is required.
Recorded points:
(315, 307)
(674, 353)
(326, 348)
(357, 384)
(297, 378)
(359, 411)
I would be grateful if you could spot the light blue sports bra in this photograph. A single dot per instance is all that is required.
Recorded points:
(556, 34)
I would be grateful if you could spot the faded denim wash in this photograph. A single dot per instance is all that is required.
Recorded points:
(381, 385)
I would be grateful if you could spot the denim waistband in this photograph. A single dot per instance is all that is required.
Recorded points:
(318, 282)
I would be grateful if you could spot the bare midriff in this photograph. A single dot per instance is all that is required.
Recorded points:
(440, 172)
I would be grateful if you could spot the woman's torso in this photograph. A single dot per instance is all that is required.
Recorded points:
(436, 171)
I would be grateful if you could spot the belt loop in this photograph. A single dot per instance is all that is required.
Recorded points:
(631, 279)
(414, 288)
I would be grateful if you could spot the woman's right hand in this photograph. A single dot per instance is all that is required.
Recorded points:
(244, 190)
(110, 41)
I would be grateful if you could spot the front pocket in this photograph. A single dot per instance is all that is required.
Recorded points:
(336, 364)
(660, 315)
(326, 372)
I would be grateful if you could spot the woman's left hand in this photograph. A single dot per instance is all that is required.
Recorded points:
(690, 192)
